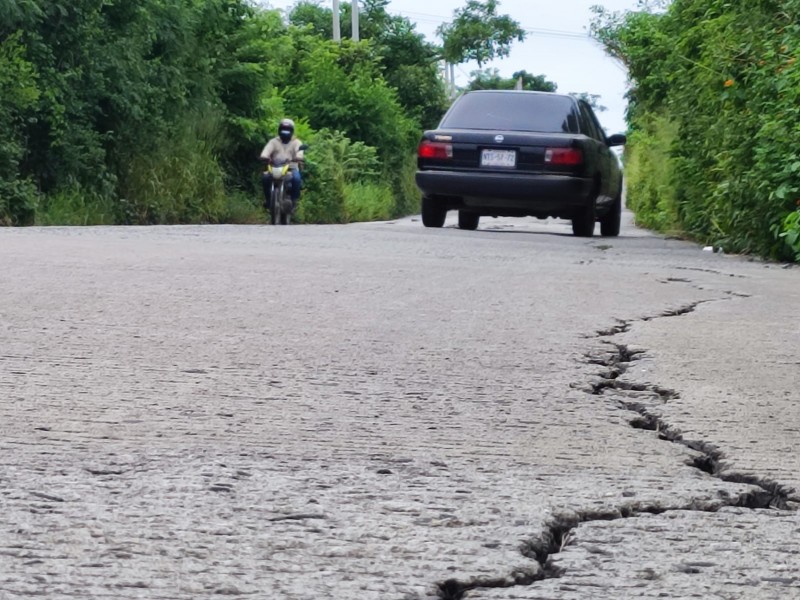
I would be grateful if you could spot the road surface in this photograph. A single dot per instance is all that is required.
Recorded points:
(384, 411)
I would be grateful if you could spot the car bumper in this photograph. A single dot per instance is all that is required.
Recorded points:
(549, 195)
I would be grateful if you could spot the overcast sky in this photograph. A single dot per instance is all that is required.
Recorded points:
(557, 46)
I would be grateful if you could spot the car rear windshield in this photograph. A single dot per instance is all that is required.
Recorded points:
(513, 112)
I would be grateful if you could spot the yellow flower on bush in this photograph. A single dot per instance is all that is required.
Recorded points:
(791, 61)
(729, 83)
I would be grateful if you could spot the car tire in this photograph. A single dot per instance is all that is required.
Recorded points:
(433, 213)
(468, 220)
(611, 221)
(583, 222)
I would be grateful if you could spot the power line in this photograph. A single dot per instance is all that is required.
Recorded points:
(559, 34)
(463, 72)
(439, 20)
(440, 17)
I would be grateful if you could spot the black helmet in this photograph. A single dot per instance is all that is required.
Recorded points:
(286, 130)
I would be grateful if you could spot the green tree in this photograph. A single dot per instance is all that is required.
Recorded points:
(339, 87)
(592, 100)
(310, 14)
(490, 79)
(19, 93)
(409, 63)
(478, 33)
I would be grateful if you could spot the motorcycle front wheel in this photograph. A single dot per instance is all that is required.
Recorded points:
(275, 206)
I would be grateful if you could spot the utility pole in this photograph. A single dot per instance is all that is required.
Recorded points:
(448, 72)
(337, 25)
(356, 32)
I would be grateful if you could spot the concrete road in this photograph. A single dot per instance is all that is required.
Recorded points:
(386, 411)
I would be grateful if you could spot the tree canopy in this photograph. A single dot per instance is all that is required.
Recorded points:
(478, 33)
(490, 79)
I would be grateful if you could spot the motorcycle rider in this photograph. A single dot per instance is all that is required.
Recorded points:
(283, 148)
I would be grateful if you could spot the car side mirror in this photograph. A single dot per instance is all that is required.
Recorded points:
(616, 140)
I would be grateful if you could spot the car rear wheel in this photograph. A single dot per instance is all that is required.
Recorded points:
(468, 220)
(610, 222)
(433, 213)
(583, 222)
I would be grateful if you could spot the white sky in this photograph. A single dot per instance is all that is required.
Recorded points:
(565, 56)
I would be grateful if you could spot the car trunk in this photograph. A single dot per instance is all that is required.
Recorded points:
(494, 151)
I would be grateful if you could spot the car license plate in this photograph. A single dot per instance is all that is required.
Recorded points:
(499, 158)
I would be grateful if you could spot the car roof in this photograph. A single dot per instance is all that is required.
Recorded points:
(529, 92)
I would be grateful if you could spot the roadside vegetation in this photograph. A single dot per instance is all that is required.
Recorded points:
(714, 119)
(155, 111)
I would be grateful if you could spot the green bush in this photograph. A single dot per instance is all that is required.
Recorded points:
(714, 118)
(18, 200)
(789, 232)
(333, 163)
(339, 87)
(368, 202)
(649, 174)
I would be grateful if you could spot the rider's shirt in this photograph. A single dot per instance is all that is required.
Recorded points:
(281, 153)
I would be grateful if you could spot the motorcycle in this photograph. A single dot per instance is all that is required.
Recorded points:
(281, 207)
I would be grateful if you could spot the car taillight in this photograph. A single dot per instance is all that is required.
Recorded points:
(563, 156)
(428, 149)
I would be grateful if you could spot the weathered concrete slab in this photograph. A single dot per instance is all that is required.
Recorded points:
(364, 411)
(735, 553)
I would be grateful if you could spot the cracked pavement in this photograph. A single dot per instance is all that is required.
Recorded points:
(374, 410)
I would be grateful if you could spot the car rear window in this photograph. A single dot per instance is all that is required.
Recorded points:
(513, 112)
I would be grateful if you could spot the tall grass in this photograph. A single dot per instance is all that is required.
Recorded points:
(407, 196)
(368, 202)
(243, 209)
(75, 206)
(179, 181)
